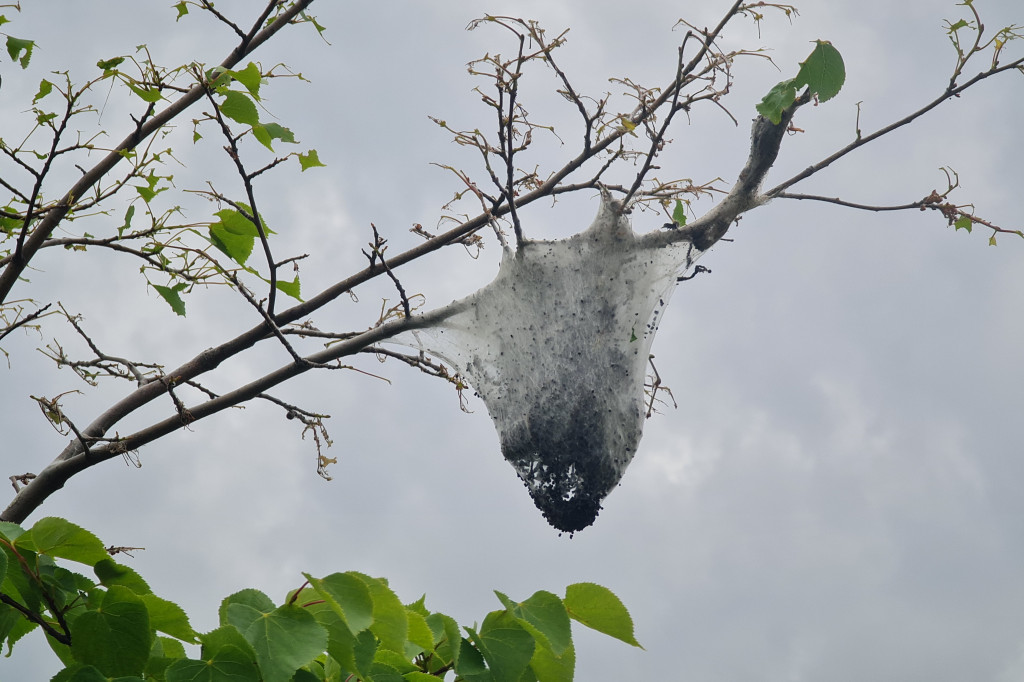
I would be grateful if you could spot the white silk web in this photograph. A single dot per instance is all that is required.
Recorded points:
(557, 347)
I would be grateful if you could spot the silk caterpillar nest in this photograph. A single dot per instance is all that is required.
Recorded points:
(557, 347)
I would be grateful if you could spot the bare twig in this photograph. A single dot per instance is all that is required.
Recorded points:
(653, 387)
(114, 551)
(24, 320)
(377, 249)
(64, 637)
(109, 364)
(208, 6)
(185, 416)
(312, 423)
(23, 479)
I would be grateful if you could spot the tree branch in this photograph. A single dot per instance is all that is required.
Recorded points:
(72, 460)
(950, 92)
(765, 140)
(23, 321)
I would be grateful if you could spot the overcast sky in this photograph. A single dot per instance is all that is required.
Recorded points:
(837, 496)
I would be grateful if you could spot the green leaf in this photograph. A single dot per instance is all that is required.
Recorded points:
(310, 18)
(21, 627)
(17, 583)
(182, 8)
(45, 88)
(3, 574)
(284, 640)
(116, 637)
(291, 288)
(778, 99)
(59, 538)
(545, 617)
(304, 675)
(266, 134)
(236, 223)
(250, 77)
(348, 596)
(390, 622)
(470, 663)
(168, 648)
(823, 72)
(419, 606)
(550, 668)
(992, 240)
(9, 618)
(11, 531)
(598, 608)
(165, 651)
(679, 213)
(15, 46)
(127, 220)
(242, 616)
(168, 618)
(150, 190)
(173, 296)
(108, 65)
(83, 673)
(9, 225)
(229, 664)
(381, 672)
(150, 95)
(237, 247)
(447, 636)
(394, 661)
(224, 637)
(309, 160)
(420, 637)
(417, 676)
(341, 644)
(363, 651)
(63, 586)
(239, 107)
(250, 597)
(963, 223)
(279, 132)
(112, 573)
(505, 645)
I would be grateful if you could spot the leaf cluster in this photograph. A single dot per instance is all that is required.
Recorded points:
(345, 626)
(822, 74)
(175, 256)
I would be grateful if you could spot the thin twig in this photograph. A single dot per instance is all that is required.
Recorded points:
(378, 247)
(233, 153)
(860, 141)
(23, 321)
